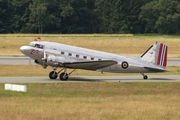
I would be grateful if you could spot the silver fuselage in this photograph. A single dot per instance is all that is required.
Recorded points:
(65, 53)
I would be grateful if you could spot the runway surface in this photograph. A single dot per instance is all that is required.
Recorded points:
(27, 61)
(152, 78)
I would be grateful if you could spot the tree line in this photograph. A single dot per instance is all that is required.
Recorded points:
(90, 16)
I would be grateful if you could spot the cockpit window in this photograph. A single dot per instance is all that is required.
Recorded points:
(36, 45)
(39, 46)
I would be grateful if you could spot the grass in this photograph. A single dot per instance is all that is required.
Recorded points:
(125, 44)
(67, 101)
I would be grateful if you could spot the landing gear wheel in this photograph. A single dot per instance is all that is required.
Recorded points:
(145, 77)
(63, 76)
(53, 75)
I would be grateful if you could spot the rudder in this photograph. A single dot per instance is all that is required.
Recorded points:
(162, 55)
(156, 54)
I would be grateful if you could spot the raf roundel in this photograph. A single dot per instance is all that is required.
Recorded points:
(124, 65)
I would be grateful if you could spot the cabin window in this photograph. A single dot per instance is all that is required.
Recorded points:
(92, 58)
(70, 54)
(99, 59)
(62, 53)
(85, 57)
(77, 56)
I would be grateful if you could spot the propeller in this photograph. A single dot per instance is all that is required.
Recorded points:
(30, 61)
(44, 59)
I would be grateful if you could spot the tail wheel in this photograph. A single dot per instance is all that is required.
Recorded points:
(64, 76)
(53, 75)
(145, 77)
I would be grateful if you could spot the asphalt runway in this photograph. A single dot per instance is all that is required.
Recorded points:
(135, 78)
(27, 61)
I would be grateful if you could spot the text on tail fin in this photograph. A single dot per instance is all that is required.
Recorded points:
(162, 55)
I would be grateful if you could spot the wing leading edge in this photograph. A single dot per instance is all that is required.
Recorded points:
(90, 65)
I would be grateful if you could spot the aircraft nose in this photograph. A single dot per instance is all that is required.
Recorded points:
(24, 49)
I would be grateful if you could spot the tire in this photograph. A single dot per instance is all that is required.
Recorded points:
(63, 76)
(53, 75)
(145, 77)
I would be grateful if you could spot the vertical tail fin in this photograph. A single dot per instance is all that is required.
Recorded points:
(156, 54)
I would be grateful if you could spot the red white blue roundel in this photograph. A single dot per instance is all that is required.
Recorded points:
(124, 65)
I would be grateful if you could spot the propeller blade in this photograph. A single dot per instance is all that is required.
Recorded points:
(44, 58)
(30, 61)
(44, 53)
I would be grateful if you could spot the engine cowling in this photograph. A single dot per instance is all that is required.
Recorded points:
(53, 60)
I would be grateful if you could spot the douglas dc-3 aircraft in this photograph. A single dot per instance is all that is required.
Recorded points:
(66, 56)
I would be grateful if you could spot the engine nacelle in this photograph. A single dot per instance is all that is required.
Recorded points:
(55, 61)
(51, 60)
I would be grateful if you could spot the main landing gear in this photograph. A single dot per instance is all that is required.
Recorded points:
(144, 76)
(63, 76)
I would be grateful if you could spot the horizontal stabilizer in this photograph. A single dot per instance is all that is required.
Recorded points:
(155, 69)
(90, 65)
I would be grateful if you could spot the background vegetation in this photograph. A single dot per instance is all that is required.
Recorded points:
(90, 16)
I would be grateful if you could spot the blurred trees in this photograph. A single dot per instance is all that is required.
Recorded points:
(119, 16)
(5, 12)
(161, 16)
(90, 16)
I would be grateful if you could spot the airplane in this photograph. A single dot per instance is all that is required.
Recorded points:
(64, 56)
